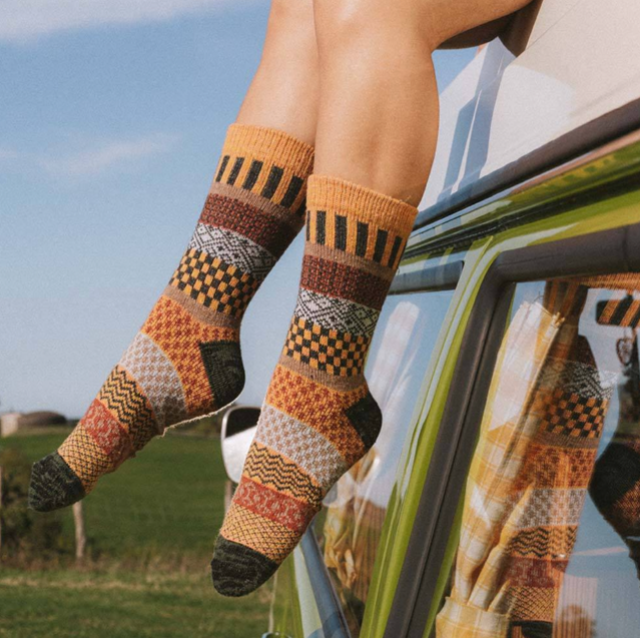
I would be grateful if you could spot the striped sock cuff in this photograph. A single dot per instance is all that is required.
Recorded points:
(360, 202)
(356, 221)
(267, 162)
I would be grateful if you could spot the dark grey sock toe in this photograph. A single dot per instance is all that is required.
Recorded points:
(238, 570)
(53, 484)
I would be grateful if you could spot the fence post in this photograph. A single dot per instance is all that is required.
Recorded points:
(229, 489)
(81, 539)
(0, 512)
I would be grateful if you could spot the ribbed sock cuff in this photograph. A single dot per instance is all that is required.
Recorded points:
(268, 144)
(341, 196)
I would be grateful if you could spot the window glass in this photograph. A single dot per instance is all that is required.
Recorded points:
(351, 522)
(550, 538)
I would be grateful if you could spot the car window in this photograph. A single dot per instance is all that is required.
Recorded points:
(549, 544)
(351, 522)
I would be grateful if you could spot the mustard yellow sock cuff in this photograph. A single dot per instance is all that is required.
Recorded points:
(360, 202)
(269, 145)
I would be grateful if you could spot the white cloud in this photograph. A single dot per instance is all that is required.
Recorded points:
(107, 155)
(25, 19)
(7, 154)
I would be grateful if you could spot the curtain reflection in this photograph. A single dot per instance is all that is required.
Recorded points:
(528, 482)
(357, 508)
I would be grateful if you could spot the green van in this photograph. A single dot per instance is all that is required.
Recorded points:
(502, 497)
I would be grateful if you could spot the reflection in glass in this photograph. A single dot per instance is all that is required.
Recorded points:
(535, 558)
(356, 507)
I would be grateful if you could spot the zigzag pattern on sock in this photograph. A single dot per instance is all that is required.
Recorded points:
(273, 470)
(539, 542)
(121, 396)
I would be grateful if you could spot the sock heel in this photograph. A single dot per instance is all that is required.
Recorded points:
(222, 361)
(366, 418)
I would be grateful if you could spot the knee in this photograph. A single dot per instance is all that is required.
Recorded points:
(353, 24)
(339, 22)
(286, 11)
(290, 21)
(291, 34)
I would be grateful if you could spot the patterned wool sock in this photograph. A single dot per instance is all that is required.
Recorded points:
(185, 362)
(318, 418)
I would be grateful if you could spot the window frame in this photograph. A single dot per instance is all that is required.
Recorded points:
(604, 252)
(334, 625)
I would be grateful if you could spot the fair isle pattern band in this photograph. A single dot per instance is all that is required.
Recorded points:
(319, 417)
(336, 314)
(214, 283)
(185, 362)
(158, 379)
(338, 353)
(303, 445)
(233, 248)
(278, 186)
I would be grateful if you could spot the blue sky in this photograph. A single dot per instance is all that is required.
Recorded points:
(112, 118)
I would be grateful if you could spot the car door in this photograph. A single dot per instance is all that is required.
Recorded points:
(578, 228)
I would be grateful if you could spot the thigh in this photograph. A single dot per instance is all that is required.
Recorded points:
(446, 23)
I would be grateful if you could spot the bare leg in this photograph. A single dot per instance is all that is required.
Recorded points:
(284, 91)
(378, 109)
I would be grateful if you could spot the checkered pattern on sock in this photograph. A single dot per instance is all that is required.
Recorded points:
(185, 362)
(318, 417)
(570, 406)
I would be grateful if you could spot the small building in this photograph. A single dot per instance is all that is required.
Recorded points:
(9, 423)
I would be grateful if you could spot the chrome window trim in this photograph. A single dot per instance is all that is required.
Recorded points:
(444, 277)
(334, 624)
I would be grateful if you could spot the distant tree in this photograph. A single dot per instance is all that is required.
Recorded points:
(25, 533)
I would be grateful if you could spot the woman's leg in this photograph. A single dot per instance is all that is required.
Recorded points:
(284, 92)
(378, 108)
(375, 142)
(185, 361)
(378, 114)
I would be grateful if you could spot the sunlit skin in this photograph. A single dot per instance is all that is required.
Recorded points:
(356, 78)
(285, 90)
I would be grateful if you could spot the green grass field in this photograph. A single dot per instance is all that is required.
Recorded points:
(79, 604)
(151, 527)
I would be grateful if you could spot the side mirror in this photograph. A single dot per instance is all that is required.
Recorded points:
(238, 429)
